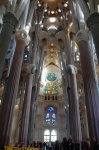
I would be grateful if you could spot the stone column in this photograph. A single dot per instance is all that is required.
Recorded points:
(69, 112)
(20, 111)
(68, 121)
(31, 119)
(88, 73)
(83, 116)
(63, 73)
(10, 96)
(76, 126)
(34, 95)
(73, 101)
(90, 84)
(23, 134)
(15, 122)
(93, 25)
(26, 110)
(12, 50)
(65, 83)
(9, 24)
(39, 72)
(92, 21)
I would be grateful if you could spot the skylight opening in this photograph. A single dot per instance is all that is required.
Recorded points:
(52, 19)
(52, 27)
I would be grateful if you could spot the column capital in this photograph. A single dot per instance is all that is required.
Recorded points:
(71, 69)
(81, 35)
(93, 19)
(31, 68)
(22, 35)
(9, 17)
(32, 29)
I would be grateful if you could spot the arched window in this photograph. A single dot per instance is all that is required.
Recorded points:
(51, 77)
(53, 135)
(51, 89)
(47, 135)
(54, 88)
(50, 116)
(50, 135)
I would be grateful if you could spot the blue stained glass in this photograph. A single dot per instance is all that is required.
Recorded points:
(48, 121)
(47, 115)
(53, 116)
(51, 77)
(53, 121)
(50, 109)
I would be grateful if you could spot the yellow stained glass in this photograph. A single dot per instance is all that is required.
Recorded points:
(52, 92)
(49, 92)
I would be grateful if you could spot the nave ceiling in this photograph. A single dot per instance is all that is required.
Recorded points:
(50, 32)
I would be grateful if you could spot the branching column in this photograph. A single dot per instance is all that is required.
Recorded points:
(88, 70)
(74, 103)
(34, 96)
(92, 20)
(9, 24)
(23, 133)
(93, 25)
(90, 84)
(65, 83)
(76, 126)
(12, 89)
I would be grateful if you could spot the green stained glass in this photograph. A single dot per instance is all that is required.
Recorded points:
(51, 77)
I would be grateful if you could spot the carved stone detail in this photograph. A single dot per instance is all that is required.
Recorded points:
(31, 69)
(22, 34)
(81, 35)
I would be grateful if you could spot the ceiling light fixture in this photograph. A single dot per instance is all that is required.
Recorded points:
(61, 17)
(52, 12)
(41, 25)
(52, 44)
(39, 5)
(45, 10)
(25, 56)
(49, 12)
(65, 5)
(59, 10)
(52, 19)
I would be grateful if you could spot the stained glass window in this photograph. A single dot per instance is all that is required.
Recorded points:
(51, 77)
(50, 116)
(50, 109)
(50, 135)
(53, 115)
(51, 89)
(47, 115)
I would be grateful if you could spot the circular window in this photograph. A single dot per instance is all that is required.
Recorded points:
(51, 77)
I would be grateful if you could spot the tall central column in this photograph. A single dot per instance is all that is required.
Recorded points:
(93, 25)
(9, 24)
(23, 134)
(34, 96)
(10, 96)
(74, 103)
(66, 87)
(76, 126)
(91, 17)
(88, 72)
(90, 84)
